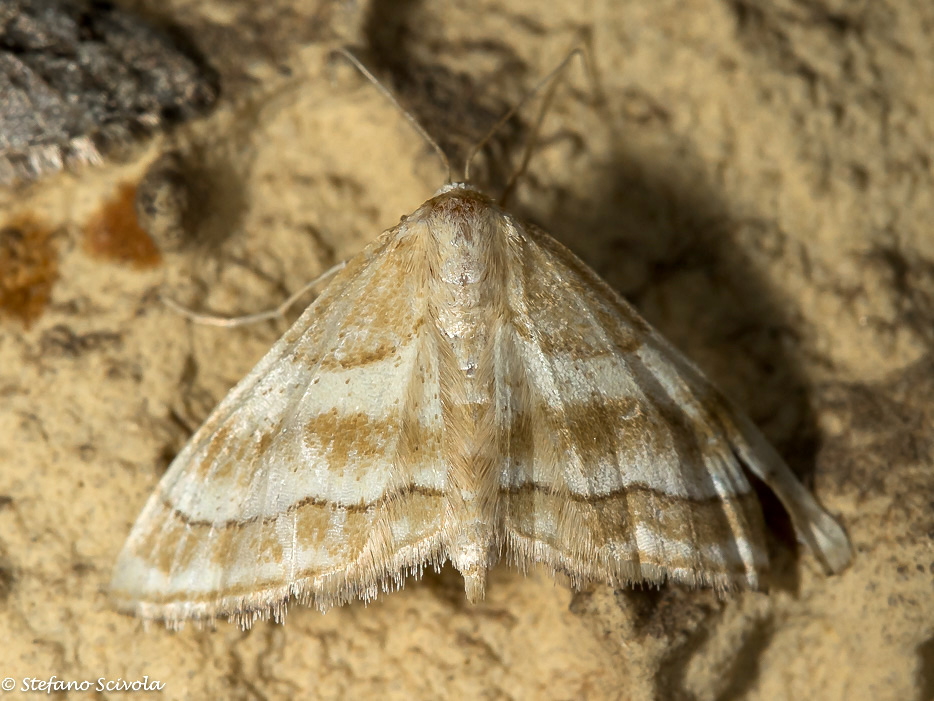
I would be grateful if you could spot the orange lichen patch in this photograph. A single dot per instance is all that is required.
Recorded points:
(115, 234)
(28, 268)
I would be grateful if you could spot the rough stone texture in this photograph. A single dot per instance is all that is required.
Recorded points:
(755, 176)
(79, 77)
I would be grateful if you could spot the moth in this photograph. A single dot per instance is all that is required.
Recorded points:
(464, 390)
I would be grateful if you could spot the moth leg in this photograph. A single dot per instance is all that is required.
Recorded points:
(233, 321)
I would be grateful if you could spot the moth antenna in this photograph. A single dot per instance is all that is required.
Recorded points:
(358, 64)
(549, 78)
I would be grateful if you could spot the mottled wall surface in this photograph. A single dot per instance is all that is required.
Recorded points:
(755, 177)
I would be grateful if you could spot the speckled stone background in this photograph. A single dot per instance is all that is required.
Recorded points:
(755, 176)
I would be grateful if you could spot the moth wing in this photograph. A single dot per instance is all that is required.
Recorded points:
(304, 481)
(624, 461)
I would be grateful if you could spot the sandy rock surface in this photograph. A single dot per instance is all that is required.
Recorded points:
(756, 177)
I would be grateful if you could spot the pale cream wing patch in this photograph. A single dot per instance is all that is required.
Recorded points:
(622, 463)
(318, 476)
